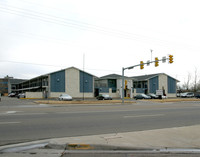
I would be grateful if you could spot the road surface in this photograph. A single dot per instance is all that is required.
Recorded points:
(22, 120)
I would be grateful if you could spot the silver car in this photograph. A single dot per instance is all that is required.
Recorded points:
(65, 97)
(187, 95)
(21, 95)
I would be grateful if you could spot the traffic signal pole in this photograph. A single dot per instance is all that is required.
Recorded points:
(142, 67)
(123, 85)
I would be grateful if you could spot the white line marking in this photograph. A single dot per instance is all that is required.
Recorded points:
(154, 115)
(11, 112)
(22, 114)
(9, 123)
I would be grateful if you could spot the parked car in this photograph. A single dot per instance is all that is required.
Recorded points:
(104, 97)
(65, 97)
(197, 96)
(21, 95)
(187, 95)
(142, 96)
(153, 96)
(164, 97)
(11, 94)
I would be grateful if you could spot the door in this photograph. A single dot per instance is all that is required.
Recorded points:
(96, 93)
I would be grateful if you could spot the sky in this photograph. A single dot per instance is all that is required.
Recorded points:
(99, 36)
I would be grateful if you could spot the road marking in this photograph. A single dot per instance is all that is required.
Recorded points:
(9, 123)
(138, 116)
(22, 114)
(10, 112)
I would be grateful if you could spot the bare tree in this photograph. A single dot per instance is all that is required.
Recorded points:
(198, 85)
(186, 84)
(195, 79)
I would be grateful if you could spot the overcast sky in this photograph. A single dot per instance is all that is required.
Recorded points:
(42, 36)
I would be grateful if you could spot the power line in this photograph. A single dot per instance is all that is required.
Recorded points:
(88, 27)
(50, 65)
(78, 25)
(29, 63)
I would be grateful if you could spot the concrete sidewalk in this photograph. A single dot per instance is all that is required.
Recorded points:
(182, 137)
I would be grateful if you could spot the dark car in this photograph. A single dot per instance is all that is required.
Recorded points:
(153, 96)
(197, 96)
(104, 97)
(142, 96)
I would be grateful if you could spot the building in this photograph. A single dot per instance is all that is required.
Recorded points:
(112, 85)
(80, 84)
(73, 81)
(150, 83)
(7, 84)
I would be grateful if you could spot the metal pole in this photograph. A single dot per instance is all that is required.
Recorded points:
(83, 75)
(151, 55)
(123, 85)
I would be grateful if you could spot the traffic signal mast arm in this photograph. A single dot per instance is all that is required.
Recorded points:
(170, 58)
(147, 63)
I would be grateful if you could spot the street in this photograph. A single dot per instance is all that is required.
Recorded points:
(23, 120)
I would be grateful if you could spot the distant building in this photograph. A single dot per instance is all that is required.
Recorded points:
(7, 84)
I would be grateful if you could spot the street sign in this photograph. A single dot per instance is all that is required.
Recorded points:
(159, 92)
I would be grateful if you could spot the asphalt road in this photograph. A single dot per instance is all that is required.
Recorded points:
(22, 120)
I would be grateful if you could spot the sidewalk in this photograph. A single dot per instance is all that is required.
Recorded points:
(182, 137)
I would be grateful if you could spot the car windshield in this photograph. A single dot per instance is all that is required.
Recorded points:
(76, 74)
(65, 95)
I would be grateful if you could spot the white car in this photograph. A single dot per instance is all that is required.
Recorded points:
(164, 97)
(65, 97)
(187, 95)
(21, 95)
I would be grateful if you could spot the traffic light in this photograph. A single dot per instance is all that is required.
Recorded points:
(171, 59)
(125, 84)
(141, 65)
(156, 62)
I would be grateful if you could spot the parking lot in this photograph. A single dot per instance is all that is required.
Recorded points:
(7, 101)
